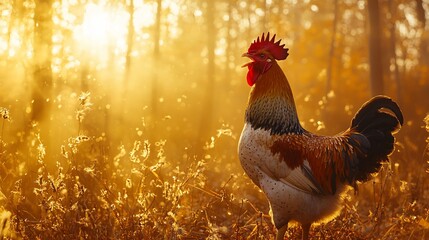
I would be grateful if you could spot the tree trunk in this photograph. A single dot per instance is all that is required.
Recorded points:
(375, 51)
(266, 11)
(42, 75)
(421, 16)
(156, 58)
(122, 124)
(249, 12)
(130, 43)
(229, 42)
(393, 58)
(332, 49)
(206, 119)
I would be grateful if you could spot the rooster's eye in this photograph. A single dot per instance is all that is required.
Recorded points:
(262, 55)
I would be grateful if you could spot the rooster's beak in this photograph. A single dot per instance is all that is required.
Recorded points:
(246, 55)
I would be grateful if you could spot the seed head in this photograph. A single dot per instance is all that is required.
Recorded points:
(4, 113)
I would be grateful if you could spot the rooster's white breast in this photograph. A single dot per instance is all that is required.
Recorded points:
(281, 184)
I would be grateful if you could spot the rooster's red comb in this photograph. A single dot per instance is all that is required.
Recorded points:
(264, 43)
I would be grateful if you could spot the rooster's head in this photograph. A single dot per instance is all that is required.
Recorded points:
(263, 52)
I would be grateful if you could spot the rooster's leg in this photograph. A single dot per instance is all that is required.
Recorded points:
(305, 231)
(281, 232)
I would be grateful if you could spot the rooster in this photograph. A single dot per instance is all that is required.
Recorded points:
(303, 175)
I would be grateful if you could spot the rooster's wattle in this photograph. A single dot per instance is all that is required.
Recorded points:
(304, 175)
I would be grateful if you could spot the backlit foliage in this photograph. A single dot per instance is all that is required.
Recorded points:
(120, 129)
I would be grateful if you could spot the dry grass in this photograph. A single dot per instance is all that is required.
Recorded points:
(139, 193)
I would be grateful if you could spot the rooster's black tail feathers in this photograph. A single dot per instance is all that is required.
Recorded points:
(377, 120)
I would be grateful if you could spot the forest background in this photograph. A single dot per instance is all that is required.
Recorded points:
(120, 119)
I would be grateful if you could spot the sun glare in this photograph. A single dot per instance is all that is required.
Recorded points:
(144, 15)
(102, 27)
(15, 42)
(96, 24)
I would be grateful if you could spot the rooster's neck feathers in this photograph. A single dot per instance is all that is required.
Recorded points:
(273, 115)
(271, 106)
